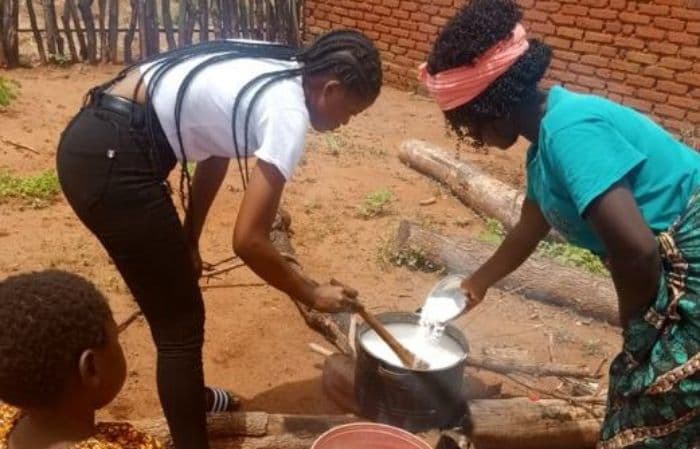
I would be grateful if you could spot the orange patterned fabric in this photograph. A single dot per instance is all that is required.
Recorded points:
(108, 436)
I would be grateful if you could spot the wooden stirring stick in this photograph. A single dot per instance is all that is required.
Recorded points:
(407, 357)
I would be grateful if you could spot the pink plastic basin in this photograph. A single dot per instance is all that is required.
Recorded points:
(368, 436)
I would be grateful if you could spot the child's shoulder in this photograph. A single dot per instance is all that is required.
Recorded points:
(119, 436)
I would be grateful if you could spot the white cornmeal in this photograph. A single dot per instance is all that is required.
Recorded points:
(440, 309)
(438, 354)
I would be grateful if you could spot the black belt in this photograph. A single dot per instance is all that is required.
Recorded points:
(122, 106)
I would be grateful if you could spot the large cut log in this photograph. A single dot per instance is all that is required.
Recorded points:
(483, 193)
(520, 423)
(538, 278)
(255, 429)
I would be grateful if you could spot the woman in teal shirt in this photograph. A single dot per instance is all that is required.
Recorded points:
(610, 180)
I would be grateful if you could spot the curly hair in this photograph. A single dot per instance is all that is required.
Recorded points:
(47, 319)
(475, 29)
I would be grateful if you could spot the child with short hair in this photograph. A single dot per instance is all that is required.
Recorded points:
(60, 361)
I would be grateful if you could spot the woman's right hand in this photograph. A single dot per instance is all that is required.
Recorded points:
(332, 299)
(474, 292)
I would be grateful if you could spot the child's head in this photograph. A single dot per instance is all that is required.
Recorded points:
(58, 343)
(475, 30)
(342, 77)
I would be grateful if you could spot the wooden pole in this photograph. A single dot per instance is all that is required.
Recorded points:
(143, 32)
(293, 23)
(271, 25)
(75, 16)
(226, 19)
(65, 19)
(85, 7)
(243, 19)
(168, 24)
(129, 36)
(259, 19)
(182, 23)
(113, 30)
(3, 56)
(539, 278)
(35, 31)
(102, 11)
(152, 37)
(203, 20)
(53, 40)
(215, 12)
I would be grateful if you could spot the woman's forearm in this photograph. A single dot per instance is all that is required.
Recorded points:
(208, 177)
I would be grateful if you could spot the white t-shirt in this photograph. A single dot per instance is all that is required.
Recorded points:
(278, 123)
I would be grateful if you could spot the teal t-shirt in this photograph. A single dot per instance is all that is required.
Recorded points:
(586, 145)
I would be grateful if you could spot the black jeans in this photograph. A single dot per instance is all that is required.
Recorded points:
(118, 190)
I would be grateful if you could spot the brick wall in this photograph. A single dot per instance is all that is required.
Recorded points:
(645, 54)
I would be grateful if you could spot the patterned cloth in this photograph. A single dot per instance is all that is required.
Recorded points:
(654, 396)
(108, 436)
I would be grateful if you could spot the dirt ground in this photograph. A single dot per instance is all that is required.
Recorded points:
(256, 343)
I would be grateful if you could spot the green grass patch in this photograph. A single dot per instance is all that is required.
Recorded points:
(36, 190)
(8, 91)
(375, 204)
(563, 253)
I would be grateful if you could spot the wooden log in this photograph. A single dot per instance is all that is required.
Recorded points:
(203, 21)
(254, 429)
(481, 192)
(75, 16)
(35, 31)
(85, 7)
(152, 35)
(65, 19)
(54, 42)
(538, 278)
(102, 11)
(143, 32)
(129, 36)
(182, 23)
(520, 423)
(508, 366)
(113, 26)
(168, 24)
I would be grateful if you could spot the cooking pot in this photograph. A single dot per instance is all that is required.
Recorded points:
(416, 400)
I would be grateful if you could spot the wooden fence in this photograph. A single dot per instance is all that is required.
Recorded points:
(89, 32)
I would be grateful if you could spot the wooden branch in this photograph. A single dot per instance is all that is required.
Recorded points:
(35, 31)
(75, 16)
(538, 278)
(65, 19)
(143, 31)
(129, 36)
(113, 30)
(102, 11)
(85, 7)
(481, 192)
(203, 20)
(181, 23)
(53, 39)
(19, 146)
(507, 366)
(152, 38)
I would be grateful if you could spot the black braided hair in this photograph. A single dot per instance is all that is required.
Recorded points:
(348, 55)
(475, 29)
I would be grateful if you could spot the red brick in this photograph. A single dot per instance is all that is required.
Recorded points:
(420, 17)
(557, 42)
(694, 117)
(544, 28)
(650, 32)
(665, 48)
(526, 3)
(595, 60)
(409, 25)
(640, 81)
(603, 73)
(399, 32)
(617, 75)
(570, 33)
(695, 93)
(439, 21)
(574, 10)
(631, 17)
(382, 10)
(381, 45)
(428, 28)
(447, 12)
(641, 57)
(372, 18)
(636, 103)
(594, 3)
(618, 4)
(581, 68)
(566, 55)
(425, 47)
(671, 87)
(669, 24)
(659, 72)
(586, 47)
(562, 19)
(371, 34)
(409, 6)
(388, 38)
(689, 78)
(578, 88)
(609, 51)
(391, 3)
(547, 6)
(684, 102)
(401, 14)
(382, 28)
(615, 97)
(620, 88)
(603, 13)
(406, 43)
(558, 64)
(669, 111)
(547, 84)
(625, 66)
(690, 52)
(683, 38)
(415, 54)
(594, 36)
(589, 24)
(652, 95)
(674, 125)
(686, 13)
(429, 9)
(562, 75)
(675, 63)
(533, 15)
(693, 27)
(628, 29)
(443, 2)
(653, 10)
(613, 27)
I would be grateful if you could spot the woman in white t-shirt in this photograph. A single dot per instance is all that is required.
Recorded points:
(207, 103)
